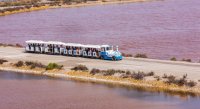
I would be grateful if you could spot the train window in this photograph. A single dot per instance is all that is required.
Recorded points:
(103, 49)
(108, 48)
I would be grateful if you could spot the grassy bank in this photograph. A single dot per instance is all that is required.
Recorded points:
(150, 85)
(128, 79)
(24, 10)
(34, 7)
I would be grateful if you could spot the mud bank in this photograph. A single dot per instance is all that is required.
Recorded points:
(147, 85)
(90, 3)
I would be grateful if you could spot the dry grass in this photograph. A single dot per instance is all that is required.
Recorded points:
(10, 45)
(140, 55)
(80, 68)
(173, 59)
(127, 55)
(150, 85)
(24, 10)
(3, 61)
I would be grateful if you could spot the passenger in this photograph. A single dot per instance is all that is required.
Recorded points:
(34, 47)
(87, 50)
(39, 48)
(59, 49)
(29, 46)
(77, 50)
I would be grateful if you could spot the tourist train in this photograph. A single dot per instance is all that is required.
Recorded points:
(105, 52)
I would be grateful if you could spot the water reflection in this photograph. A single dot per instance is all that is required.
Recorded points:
(128, 93)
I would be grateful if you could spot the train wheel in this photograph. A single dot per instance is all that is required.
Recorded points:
(113, 58)
(102, 58)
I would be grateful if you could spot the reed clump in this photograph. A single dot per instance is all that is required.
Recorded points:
(3, 61)
(122, 73)
(127, 55)
(11, 45)
(34, 64)
(19, 64)
(140, 55)
(154, 85)
(28, 8)
(80, 68)
(186, 60)
(179, 81)
(173, 59)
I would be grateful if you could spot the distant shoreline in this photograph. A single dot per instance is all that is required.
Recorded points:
(90, 3)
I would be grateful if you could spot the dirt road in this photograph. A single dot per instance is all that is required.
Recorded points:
(160, 67)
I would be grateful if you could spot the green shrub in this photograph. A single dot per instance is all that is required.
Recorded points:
(80, 68)
(139, 55)
(19, 64)
(52, 66)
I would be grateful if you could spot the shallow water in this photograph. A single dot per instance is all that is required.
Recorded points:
(25, 91)
(161, 29)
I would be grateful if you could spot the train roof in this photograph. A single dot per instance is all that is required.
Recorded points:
(55, 43)
(66, 44)
(35, 41)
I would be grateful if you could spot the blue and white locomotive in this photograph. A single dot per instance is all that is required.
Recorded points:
(105, 52)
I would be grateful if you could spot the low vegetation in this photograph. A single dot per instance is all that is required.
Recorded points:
(173, 59)
(3, 61)
(127, 55)
(35, 64)
(122, 73)
(171, 79)
(186, 60)
(19, 64)
(80, 68)
(52, 66)
(17, 5)
(7, 3)
(157, 78)
(140, 55)
(10, 45)
(179, 81)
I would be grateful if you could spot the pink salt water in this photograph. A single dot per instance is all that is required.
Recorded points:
(161, 29)
(23, 91)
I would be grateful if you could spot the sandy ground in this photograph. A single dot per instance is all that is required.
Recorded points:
(160, 67)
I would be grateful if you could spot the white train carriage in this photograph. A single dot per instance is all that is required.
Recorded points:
(35, 46)
(73, 49)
